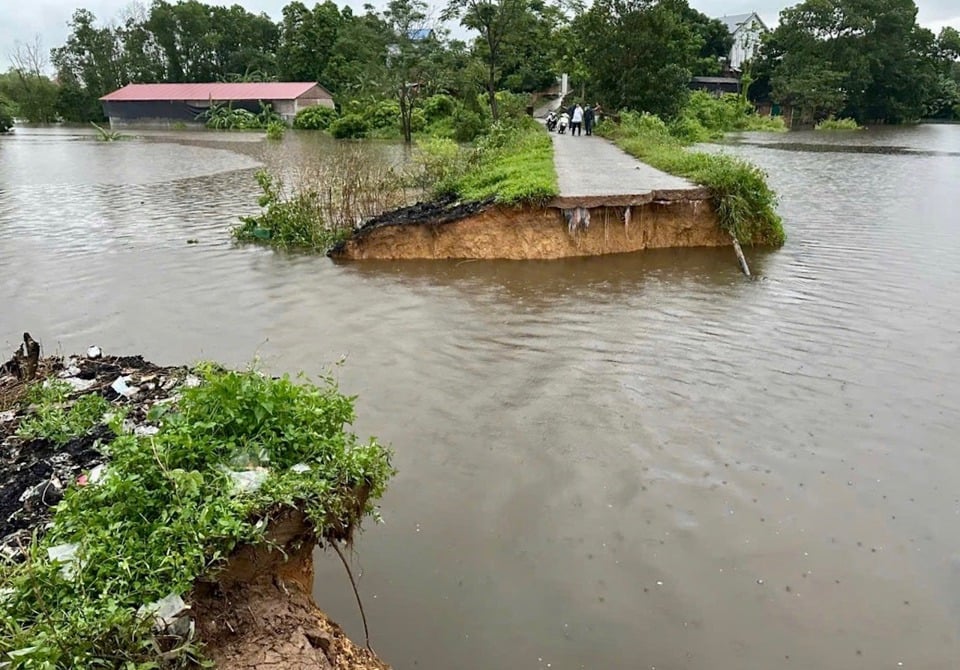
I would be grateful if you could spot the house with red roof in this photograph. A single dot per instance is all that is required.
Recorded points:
(167, 104)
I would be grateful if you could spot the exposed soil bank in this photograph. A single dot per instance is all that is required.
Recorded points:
(258, 613)
(488, 231)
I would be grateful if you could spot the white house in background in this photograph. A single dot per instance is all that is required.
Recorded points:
(746, 30)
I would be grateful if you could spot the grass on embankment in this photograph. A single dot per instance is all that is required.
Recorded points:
(168, 510)
(745, 204)
(838, 124)
(513, 164)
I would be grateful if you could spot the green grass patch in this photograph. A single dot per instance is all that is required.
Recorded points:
(53, 420)
(838, 124)
(745, 204)
(513, 164)
(168, 511)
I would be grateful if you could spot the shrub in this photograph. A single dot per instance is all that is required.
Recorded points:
(316, 117)
(6, 116)
(275, 130)
(468, 125)
(349, 126)
(287, 221)
(438, 106)
(383, 114)
(440, 163)
(838, 124)
(718, 115)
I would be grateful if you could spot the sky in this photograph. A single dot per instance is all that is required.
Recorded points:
(24, 21)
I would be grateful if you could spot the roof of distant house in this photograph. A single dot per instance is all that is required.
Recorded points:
(270, 90)
(734, 21)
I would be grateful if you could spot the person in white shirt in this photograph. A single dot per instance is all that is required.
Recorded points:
(576, 122)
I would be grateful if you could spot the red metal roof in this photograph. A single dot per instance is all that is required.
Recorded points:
(271, 90)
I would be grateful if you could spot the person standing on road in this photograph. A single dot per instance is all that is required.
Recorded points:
(576, 121)
(588, 120)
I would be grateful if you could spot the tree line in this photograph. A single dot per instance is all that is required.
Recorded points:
(867, 59)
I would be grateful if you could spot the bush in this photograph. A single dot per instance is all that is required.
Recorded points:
(316, 117)
(441, 163)
(275, 130)
(438, 107)
(383, 114)
(6, 116)
(838, 124)
(287, 221)
(706, 117)
(349, 126)
(468, 125)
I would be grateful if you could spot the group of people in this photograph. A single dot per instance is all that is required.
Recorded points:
(576, 118)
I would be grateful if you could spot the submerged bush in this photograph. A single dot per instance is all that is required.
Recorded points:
(705, 117)
(287, 220)
(745, 204)
(838, 124)
(276, 130)
(349, 126)
(6, 116)
(316, 117)
(167, 511)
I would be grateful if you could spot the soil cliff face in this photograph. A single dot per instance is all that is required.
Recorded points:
(258, 611)
(543, 232)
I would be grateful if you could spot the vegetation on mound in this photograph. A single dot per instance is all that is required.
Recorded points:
(838, 124)
(324, 204)
(512, 163)
(706, 117)
(169, 508)
(746, 206)
(225, 117)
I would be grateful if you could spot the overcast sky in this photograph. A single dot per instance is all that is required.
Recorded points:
(23, 20)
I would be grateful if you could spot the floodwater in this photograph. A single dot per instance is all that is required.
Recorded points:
(642, 461)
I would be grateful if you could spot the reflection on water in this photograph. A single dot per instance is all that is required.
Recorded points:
(631, 461)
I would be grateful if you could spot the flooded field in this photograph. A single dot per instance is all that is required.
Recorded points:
(638, 461)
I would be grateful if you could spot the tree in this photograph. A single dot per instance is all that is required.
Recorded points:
(88, 66)
(639, 54)
(406, 58)
(27, 85)
(867, 59)
(6, 116)
(494, 20)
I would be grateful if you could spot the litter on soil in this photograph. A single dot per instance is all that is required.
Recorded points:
(35, 471)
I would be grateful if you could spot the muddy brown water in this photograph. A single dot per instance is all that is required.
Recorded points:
(641, 461)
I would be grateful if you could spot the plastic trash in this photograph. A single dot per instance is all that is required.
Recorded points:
(192, 381)
(301, 467)
(144, 430)
(122, 388)
(248, 481)
(67, 555)
(94, 352)
(78, 384)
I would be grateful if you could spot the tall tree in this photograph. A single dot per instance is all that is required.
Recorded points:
(639, 54)
(494, 20)
(88, 65)
(406, 56)
(862, 58)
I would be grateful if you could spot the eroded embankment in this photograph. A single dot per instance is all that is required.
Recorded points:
(112, 527)
(566, 227)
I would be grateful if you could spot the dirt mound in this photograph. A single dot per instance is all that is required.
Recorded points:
(258, 613)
